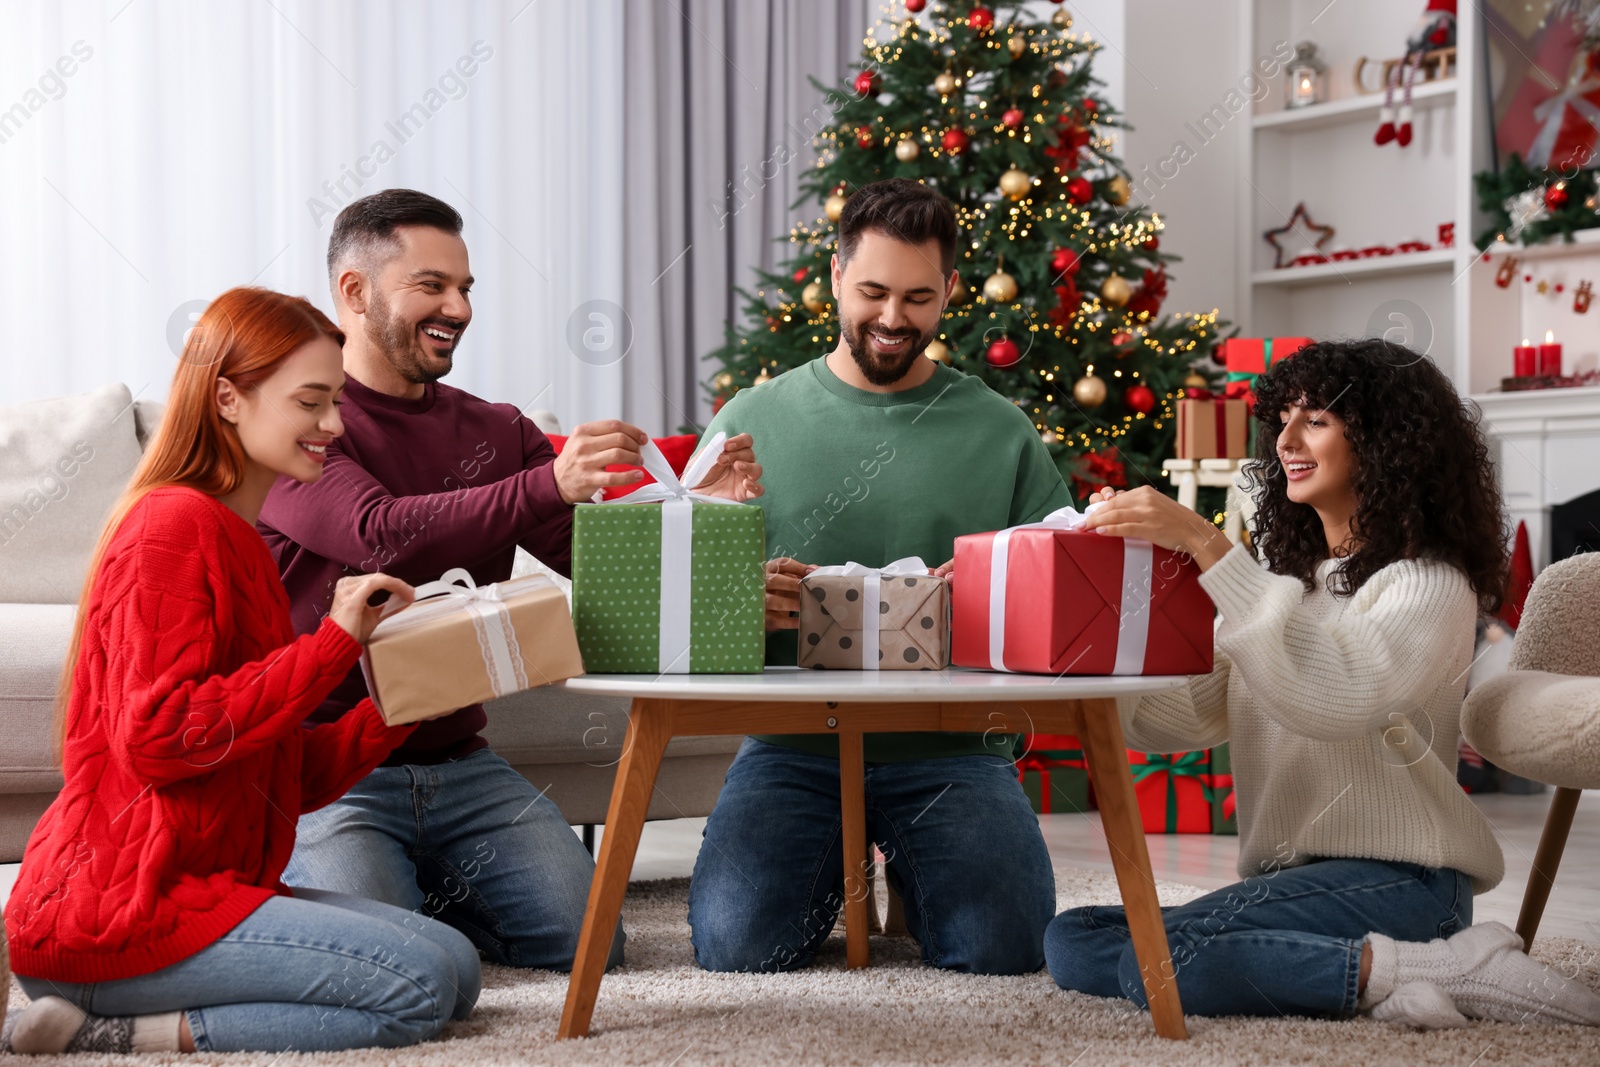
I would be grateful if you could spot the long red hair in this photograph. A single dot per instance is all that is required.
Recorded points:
(243, 335)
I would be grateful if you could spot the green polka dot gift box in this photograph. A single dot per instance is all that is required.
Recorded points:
(669, 582)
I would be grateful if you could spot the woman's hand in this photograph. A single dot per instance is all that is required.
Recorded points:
(1148, 513)
(351, 608)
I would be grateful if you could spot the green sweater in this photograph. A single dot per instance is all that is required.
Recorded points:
(854, 476)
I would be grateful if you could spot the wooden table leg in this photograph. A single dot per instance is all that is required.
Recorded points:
(853, 810)
(649, 731)
(1119, 811)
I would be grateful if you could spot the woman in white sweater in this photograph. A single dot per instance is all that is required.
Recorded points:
(1340, 671)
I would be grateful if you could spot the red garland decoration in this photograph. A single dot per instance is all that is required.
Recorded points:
(1071, 139)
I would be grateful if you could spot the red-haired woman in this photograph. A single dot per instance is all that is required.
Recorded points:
(149, 913)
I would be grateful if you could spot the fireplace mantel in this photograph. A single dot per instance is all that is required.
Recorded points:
(1547, 443)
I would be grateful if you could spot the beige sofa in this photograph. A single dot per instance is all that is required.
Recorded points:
(63, 463)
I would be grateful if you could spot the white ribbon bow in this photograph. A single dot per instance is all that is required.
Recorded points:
(871, 596)
(491, 620)
(1133, 616)
(1552, 113)
(677, 541)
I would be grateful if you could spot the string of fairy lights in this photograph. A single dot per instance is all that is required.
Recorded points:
(995, 225)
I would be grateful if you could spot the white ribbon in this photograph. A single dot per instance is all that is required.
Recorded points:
(1133, 616)
(1552, 113)
(491, 620)
(677, 542)
(872, 596)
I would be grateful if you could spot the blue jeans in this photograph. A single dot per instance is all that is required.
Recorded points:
(470, 843)
(1281, 943)
(962, 845)
(316, 973)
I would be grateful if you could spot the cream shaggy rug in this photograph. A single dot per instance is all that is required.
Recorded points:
(661, 1009)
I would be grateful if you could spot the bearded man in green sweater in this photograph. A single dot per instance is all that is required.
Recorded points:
(873, 452)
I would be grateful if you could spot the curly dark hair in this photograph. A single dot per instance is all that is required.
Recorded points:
(1425, 486)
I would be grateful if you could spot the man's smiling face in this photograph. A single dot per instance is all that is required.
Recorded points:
(891, 295)
(420, 303)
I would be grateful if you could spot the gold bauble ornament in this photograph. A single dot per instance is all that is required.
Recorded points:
(945, 84)
(833, 207)
(1017, 45)
(907, 150)
(762, 377)
(723, 381)
(1117, 190)
(814, 297)
(1089, 392)
(1116, 291)
(1062, 18)
(1194, 381)
(960, 293)
(937, 351)
(1015, 183)
(1000, 287)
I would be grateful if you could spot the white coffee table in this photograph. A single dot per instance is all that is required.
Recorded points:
(848, 704)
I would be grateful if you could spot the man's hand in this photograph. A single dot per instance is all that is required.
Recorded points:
(783, 592)
(1148, 513)
(736, 475)
(580, 470)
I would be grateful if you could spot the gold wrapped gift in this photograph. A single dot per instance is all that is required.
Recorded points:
(464, 645)
(856, 618)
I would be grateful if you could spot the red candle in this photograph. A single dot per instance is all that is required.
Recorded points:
(1522, 364)
(1550, 356)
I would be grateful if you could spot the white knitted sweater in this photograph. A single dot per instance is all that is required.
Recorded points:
(1342, 715)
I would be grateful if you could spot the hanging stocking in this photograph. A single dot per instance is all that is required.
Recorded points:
(1386, 131)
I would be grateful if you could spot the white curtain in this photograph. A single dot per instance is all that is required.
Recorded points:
(156, 152)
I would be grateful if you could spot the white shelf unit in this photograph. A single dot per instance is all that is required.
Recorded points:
(1324, 156)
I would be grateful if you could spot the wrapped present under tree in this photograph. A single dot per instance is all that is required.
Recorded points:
(1054, 774)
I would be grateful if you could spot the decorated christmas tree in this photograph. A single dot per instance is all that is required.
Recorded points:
(1062, 275)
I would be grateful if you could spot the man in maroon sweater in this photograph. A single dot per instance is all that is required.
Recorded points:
(425, 478)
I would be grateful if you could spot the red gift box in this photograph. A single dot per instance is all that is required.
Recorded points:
(1047, 598)
(1172, 791)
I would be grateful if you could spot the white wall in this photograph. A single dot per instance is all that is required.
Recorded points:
(1181, 59)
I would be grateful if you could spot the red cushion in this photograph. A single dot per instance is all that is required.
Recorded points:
(678, 450)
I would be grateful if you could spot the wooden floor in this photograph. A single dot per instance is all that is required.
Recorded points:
(668, 850)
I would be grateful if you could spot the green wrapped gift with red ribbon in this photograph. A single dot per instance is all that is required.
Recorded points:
(1219, 790)
(1248, 358)
(1054, 774)
(1172, 791)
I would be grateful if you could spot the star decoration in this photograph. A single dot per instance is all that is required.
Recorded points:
(1299, 222)
(1543, 287)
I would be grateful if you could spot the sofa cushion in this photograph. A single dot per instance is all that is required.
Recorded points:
(63, 463)
(551, 724)
(30, 666)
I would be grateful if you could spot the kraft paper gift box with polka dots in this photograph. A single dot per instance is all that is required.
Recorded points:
(671, 587)
(870, 620)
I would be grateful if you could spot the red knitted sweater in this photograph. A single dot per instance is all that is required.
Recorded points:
(186, 759)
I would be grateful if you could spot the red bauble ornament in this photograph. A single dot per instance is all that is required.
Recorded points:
(864, 138)
(1152, 243)
(980, 18)
(716, 405)
(800, 275)
(1090, 105)
(867, 83)
(1064, 261)
(1121, 337)
(1003, 353)
(1080, 190)
(1555, 197)
(955, 141)
(915, 6)
(1012, 117)
(1140, 399)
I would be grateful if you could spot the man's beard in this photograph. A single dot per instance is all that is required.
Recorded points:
(399, 343)
(884, 369)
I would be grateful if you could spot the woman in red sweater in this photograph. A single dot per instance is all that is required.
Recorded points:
(150, 913)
